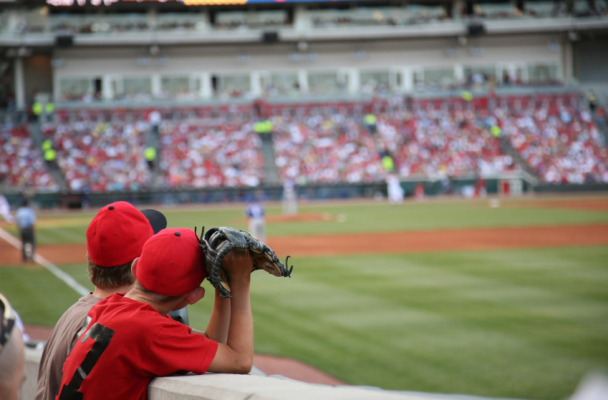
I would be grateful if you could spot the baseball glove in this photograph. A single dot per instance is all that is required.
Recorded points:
(217, 242)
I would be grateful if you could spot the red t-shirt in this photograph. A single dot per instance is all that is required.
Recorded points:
(125, 345)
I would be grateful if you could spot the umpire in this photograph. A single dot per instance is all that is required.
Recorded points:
(26, 218)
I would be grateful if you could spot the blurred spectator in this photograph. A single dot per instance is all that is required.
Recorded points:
(592, 101)
(12, 353)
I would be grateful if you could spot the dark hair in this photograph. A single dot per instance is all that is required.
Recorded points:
(110, 277)
(161, 297)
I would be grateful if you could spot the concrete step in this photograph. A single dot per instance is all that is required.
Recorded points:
(510, 150)
(271, 172)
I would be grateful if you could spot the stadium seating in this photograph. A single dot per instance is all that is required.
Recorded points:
(21, 163)
(210, 153)
(327, 142)
(437, 143)
(561, 143)
(325, 148)
(100, 156)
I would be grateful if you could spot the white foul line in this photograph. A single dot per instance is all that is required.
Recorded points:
(71, 282)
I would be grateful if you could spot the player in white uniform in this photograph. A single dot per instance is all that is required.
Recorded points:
(395, 191)
(5, 209)
(257, 223)
(290, 198)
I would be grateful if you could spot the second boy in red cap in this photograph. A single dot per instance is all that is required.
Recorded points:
(115, 237)
(129, 339)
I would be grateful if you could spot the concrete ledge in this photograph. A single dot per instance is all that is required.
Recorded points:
(252, 387)
(255, 386)
(32, 361)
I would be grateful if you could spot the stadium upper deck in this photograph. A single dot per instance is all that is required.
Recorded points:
(130, 51)
(114, 21)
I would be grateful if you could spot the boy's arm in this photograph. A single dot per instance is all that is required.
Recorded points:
(236, 355)
(217, 329)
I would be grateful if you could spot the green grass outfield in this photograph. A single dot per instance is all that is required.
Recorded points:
(510, 323)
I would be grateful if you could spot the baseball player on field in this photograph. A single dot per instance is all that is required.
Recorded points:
(256, 220)
(128, 339)
(5, 209)
(115, 238)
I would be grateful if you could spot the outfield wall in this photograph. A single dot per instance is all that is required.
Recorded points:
(239, 387)
(275, 193)
(244, 194)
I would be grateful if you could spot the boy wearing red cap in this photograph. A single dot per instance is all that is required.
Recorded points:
(115, 237)
(130, 340)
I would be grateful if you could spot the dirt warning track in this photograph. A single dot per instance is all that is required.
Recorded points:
(384, 242)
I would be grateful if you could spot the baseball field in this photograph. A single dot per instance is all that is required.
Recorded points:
(445, 296)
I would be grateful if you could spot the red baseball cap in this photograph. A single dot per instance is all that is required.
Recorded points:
(117, 234)
(171, 263)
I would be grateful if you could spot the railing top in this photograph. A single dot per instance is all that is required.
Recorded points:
(312, 98)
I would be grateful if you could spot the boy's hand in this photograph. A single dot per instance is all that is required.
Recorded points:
(237, 264)
(249, 254)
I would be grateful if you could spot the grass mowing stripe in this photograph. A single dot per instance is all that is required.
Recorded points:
(550, 311)
(38, 296)
(453, 336)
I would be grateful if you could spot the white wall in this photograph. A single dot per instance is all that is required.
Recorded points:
(382, 54)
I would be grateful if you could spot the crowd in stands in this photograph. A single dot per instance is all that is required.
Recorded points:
(438, 143)
(210, 152)
(325, 147)
(21, 163)
(436, 139)
(561, 143)
(334, 147)
(100, 156)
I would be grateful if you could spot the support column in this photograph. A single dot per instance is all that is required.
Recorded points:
(568, 61)
(301, 19)
(303, 80)
(407, 80)
(206, 88)
(459, 73)
(256, 83)
(457, 7)
(156, 85)
(354, 82)
(107, 91)
(19, 84)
